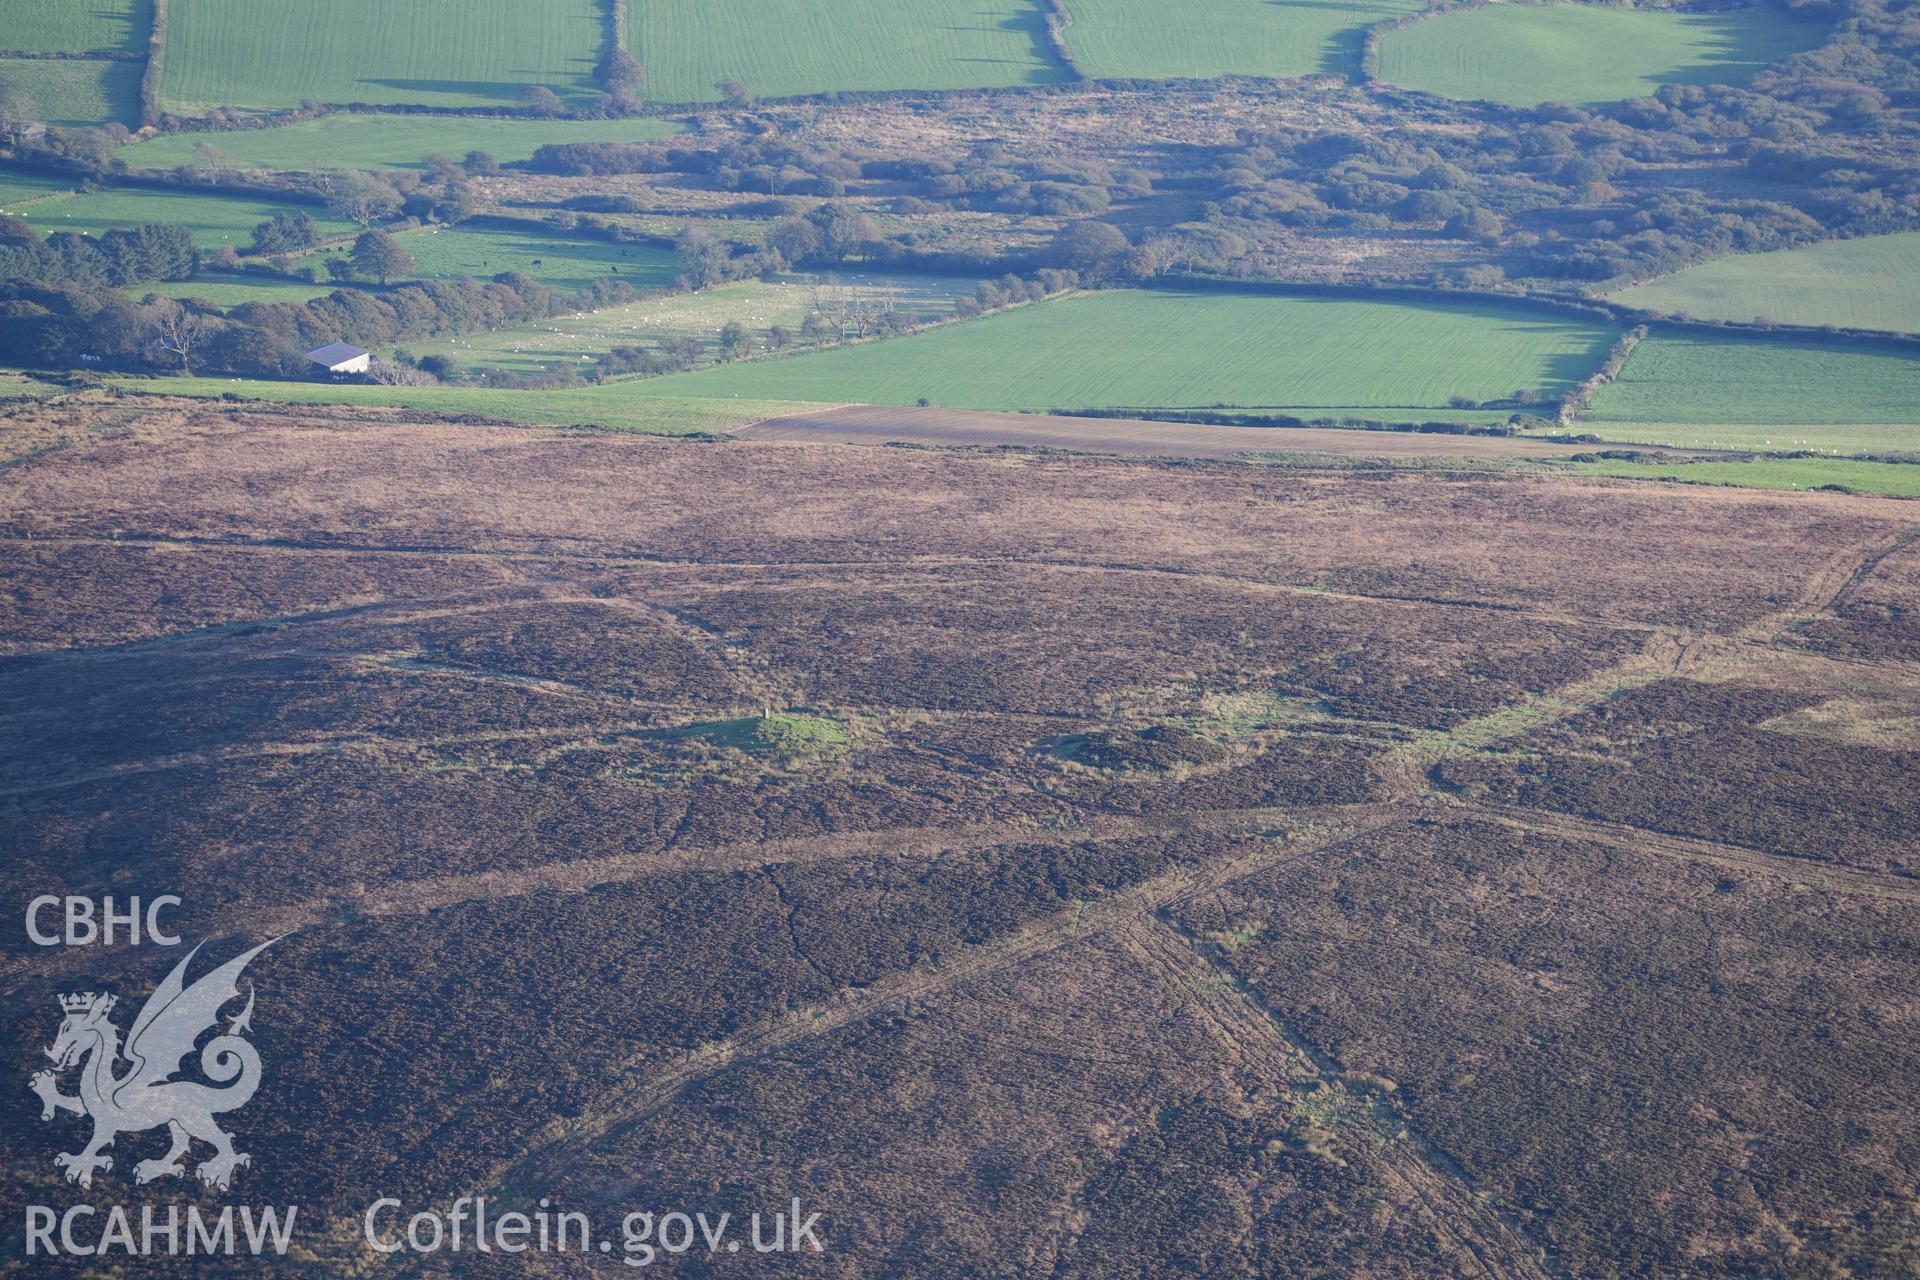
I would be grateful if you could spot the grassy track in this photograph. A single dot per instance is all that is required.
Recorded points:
(758, 304)
(75, 92)
(612, 405)
(1869, 283)
(1896, 479)
(1528, 54)
(782, 48)
(75, 26)
(1701, 389)
(1153, 39)
(273, 53)
(1167, 348)
(214, 220)
(553, 260)
(384, 142)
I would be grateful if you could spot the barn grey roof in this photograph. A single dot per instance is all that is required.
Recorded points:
(335, 353)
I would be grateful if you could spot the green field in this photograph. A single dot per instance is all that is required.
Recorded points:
(75, 92)
(783, 48)
(611, 405)
(20, 386)
(1150, 39)
(384, 142)
(1869, 283)
(1582, 53)
(1901, 480)
(75, 26)
(215, 220)
(561, 263)
(273, 53)
(18, 188)
(759, 304)
(1177, 348)
(231, 288)
(1728, 392)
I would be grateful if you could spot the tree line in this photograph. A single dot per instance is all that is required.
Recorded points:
(63, 325)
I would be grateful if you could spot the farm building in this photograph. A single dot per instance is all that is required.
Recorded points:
(338, 357)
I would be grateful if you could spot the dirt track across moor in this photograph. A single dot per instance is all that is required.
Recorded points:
(874, 424)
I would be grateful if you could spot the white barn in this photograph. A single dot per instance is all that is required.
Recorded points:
(338, 357)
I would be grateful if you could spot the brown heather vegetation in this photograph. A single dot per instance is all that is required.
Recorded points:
(1664, 1068)
(1877, 616)
(1046, 865)
(1699, 760)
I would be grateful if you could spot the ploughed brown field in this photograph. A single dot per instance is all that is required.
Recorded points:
(1043, 865)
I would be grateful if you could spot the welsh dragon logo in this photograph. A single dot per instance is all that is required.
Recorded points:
(146, 1095)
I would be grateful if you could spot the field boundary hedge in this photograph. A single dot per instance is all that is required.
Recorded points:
(1576, 403)
(1589, 309)
(1058, 19)
(606, 232)
(70, 55)
(1371, 37)
(1292, 422)
(150, 113)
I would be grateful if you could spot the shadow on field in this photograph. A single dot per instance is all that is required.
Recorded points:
(503, 90)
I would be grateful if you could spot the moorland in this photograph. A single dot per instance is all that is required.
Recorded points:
(1333, 852)
(1108, 638)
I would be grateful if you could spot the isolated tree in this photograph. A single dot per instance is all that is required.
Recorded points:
(736, 340)
(480, 164)
(541, 102)
(704, 256)
(440, 167)
(379, 255)
(211, 160)
(1095, 248)
(361, 198)
(177, 329)
(735, 92)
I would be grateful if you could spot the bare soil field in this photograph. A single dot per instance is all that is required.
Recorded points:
(1044, 863)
